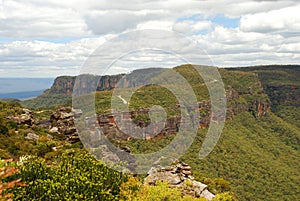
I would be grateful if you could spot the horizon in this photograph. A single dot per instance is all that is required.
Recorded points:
(260, 65)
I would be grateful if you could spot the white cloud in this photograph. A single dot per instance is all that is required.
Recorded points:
(269, 32)
(192, 27)
(42, 59)
(25, 20)
(285, 21)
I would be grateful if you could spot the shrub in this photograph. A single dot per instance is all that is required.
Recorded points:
(72, 177)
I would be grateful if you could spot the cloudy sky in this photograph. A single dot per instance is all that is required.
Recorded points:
(53, 37)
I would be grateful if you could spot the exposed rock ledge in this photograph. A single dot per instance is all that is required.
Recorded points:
(179, 176)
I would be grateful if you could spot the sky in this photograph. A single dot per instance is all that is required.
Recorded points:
(52, 37)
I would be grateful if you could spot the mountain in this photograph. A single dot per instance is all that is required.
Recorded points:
(23, 88)
(22, 95)
(258, 152)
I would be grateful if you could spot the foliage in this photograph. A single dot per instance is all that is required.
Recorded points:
(133, 190)
(7, 169)
(73, 176)
(258, 156)
(224, 197)
(48, 101)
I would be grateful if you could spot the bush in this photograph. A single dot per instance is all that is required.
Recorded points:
(71, 177)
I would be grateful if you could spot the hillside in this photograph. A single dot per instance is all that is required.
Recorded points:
(258, 153)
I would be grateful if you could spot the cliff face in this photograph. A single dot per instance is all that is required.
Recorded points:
(65, 84)
(244, 93)
(280, 82)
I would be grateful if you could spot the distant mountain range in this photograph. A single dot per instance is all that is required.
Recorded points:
(23, 88)
(22, 95)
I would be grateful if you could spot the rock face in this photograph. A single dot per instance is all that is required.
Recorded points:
(65, 84)
(179, 176)
(110, 129)
(62, 122)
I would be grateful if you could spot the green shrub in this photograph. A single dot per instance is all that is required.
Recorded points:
(71, 177)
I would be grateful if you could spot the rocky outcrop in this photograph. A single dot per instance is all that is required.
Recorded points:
(258, 107)
(62, 122)
(65, 84)
(26, 118)
(179, 175)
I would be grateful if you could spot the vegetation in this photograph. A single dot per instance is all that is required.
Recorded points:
(72, 176)
(256, 158)
(48, 100)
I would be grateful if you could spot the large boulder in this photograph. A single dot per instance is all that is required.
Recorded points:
(179, 176)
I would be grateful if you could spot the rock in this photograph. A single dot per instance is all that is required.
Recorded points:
(65, 115)
(172, 179)
(50, 137)
(44, 123)
(208, 195)
(169, 168)
(26, 118)
(53, 130)
(198, 187)
(106, 154)
(62, 122)
(186, 172)
(26, 111)
(152, 171)
(179, 176)
(188, 168)
(32, 136)
(73, 138)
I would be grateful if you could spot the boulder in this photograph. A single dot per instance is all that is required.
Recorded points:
(172, 179)
(179, 176)
(207, 194)
(53, 130)
(32, 136)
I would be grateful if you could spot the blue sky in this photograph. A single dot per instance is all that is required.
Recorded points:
(228, 22)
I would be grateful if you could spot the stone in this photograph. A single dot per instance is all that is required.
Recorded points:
(188, 168)
(172, 179)
(26, 111)
(54, 130)
(169, 168)
(65, 115)
(44, 123)
(208, 195)
(186, 172)
(50, 137)
(198, 187)
(73, 138)
(152, 171)
(32, 136)
(178, 176)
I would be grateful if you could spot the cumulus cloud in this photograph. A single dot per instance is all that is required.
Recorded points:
(191, 26)
(285, 21)
(34, 32)
(26, 20)
(45, 59)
